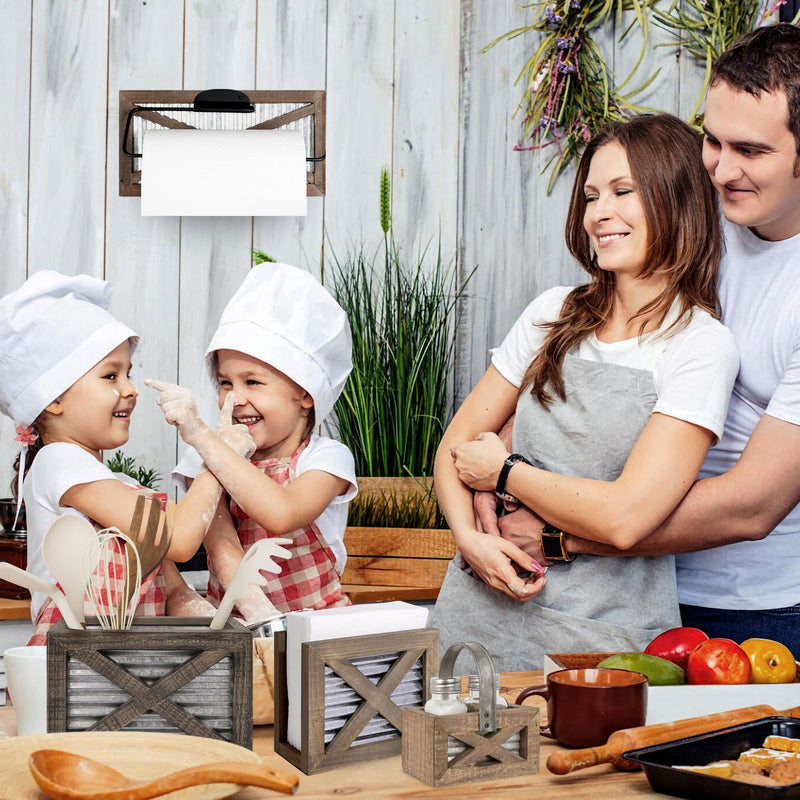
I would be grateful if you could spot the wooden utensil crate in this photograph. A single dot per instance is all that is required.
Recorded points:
(375, 719)
(166, 674)
(429, 740)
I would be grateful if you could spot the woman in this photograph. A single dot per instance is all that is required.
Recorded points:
(620, 386)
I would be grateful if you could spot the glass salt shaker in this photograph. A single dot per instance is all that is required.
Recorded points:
(444, 697)
(444, 700)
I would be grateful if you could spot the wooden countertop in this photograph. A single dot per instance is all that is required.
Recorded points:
(14, 609)
(385, 780)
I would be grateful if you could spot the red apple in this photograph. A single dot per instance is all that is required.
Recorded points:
(676, 644)
(718, 661)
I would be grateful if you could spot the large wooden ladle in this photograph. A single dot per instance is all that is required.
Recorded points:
(66, 776)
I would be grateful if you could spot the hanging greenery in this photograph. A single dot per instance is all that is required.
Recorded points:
(706, 28)
(569, 91)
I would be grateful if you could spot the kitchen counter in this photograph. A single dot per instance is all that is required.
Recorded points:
(384, 779)
(14, 609)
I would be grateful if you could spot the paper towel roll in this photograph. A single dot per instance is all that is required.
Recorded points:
(191, 173)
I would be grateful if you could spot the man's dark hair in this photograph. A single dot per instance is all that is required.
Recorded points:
(765, 60)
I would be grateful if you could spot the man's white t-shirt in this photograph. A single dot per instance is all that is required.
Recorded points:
(759, 291)
(56, 469)
(693, 369)
(323, 454)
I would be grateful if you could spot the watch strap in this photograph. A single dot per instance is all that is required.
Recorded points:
(502, 478)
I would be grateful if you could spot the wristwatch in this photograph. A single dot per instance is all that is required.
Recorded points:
(553, 545)
(500, 489)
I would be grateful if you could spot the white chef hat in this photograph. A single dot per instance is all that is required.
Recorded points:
(286, 318)
(53, 330)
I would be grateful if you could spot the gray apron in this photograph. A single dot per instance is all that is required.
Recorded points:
(592, 603)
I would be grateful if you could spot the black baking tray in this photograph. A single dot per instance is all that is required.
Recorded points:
(658, 762)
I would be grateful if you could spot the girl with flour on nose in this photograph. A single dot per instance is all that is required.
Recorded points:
(283, 350)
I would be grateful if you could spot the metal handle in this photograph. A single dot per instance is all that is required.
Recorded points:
(487, 707)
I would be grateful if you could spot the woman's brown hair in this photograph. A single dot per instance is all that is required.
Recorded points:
(683, 241)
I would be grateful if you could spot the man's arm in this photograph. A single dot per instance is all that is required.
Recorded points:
(744, 503)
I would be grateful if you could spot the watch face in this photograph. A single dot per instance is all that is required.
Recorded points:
(551, 546)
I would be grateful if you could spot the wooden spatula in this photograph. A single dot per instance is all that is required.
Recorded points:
(152, 539)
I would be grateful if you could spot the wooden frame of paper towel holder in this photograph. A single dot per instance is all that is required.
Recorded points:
(313, 105)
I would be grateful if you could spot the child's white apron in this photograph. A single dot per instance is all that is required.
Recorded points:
(592, 603)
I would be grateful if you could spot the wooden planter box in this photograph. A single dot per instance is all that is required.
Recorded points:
(395, 563)
(166, 674)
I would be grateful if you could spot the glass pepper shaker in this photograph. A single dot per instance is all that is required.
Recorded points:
(474, 698)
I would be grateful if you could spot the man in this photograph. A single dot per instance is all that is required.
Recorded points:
(738, 529)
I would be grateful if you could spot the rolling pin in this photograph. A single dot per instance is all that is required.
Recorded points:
(564, 761)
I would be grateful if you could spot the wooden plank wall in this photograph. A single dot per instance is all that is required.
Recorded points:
(407, 88)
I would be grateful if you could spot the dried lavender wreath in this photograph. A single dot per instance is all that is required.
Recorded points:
(569, 90)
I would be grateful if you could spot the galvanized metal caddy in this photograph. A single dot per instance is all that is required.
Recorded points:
(479, 736)
(166, 674)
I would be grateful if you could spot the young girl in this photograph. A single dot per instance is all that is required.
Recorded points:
(619, 386)
(283, 350)
(65, 363)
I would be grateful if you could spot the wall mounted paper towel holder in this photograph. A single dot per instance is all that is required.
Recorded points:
(219, 109)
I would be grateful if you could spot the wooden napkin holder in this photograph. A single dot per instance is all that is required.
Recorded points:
(427, 737)
(166, 674)
(314, 754)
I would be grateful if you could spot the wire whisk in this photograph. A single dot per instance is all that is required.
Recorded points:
(112, 583)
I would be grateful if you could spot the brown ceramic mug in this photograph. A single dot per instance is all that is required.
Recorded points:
(585, 706)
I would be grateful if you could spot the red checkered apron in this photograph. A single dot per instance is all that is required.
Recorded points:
(152, 596)
(308, 579)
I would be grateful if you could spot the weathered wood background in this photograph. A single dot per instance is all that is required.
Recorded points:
(407, 88)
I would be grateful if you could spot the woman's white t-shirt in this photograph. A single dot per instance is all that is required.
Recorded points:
(693, 369)
(323, 454)
(56, 468)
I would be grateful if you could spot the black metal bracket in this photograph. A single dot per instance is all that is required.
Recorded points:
(228, 101)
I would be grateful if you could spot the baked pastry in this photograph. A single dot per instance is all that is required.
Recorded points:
(720, 769)
(759, 779)
(782, 743)
(764, 757)
(725, 769)
(786, 772)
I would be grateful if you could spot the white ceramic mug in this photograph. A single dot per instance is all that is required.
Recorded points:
(26, 678)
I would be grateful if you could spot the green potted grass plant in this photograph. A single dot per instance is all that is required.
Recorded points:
(394, 409)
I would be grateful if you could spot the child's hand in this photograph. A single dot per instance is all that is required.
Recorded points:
(179, 408)
(237, 437)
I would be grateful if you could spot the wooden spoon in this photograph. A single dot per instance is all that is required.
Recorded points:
(66, 776)
(62, 550)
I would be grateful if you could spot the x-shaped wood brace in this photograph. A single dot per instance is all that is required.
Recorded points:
(376, 698)
(154, 697)
(483, 746)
